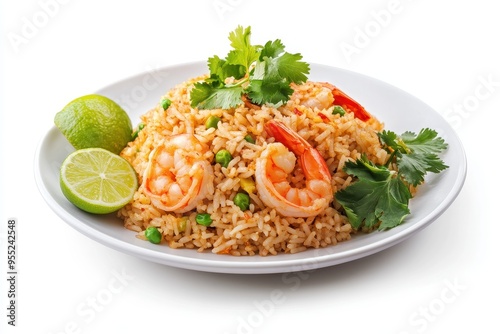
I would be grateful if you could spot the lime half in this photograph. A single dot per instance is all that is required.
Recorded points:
(95, 121)
(97, 180)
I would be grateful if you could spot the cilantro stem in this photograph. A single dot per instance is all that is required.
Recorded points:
(238, 83)
(391, 157)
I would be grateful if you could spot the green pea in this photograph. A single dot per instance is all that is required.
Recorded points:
(212, 122)
(153, 235)
(249, 139)
(203, 219)
(136, 132)
(165, 103)
(338, 110)
(223, 157)
(242, 200)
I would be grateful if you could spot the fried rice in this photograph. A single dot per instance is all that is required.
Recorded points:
(259, 230)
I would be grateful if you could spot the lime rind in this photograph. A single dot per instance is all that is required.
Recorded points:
(95, 121)
(97, 180)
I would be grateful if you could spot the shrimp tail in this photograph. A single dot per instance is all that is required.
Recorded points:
(284, 135)
(310, 159)
(345, 101)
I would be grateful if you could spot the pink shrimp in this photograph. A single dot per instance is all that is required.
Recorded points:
(330, 95)
(177, 176)
(348, 103)
(276, 163)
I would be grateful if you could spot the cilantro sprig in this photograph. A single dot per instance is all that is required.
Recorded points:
(415, 154)
(380, 196)
(262, 73)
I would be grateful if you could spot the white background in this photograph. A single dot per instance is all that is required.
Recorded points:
(444, 279)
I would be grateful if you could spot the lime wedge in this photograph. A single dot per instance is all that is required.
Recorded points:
(97, 180)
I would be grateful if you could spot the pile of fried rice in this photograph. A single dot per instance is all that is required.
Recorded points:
(259, 229)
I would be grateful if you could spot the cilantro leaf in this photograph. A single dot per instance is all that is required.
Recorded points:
(267, 85)
(381, 196)
(274, 72)
(377, 197)
(389, 139)
(206, 96)
(268, 91)
(425, 142)
(200, 92)
(279, 63)
(244, 53)
(272, 49)
(221, 69)
(416, 155)
(264, 74)
(291, 68)
(413, 167)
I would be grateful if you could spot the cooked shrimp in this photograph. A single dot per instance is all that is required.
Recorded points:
(321, 100)
(344, 100)
(328, 95)
(177, 176)
(277, 161)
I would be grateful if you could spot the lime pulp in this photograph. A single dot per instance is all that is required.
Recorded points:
(97, 180)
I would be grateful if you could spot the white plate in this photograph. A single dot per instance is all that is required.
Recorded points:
(397, 109)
